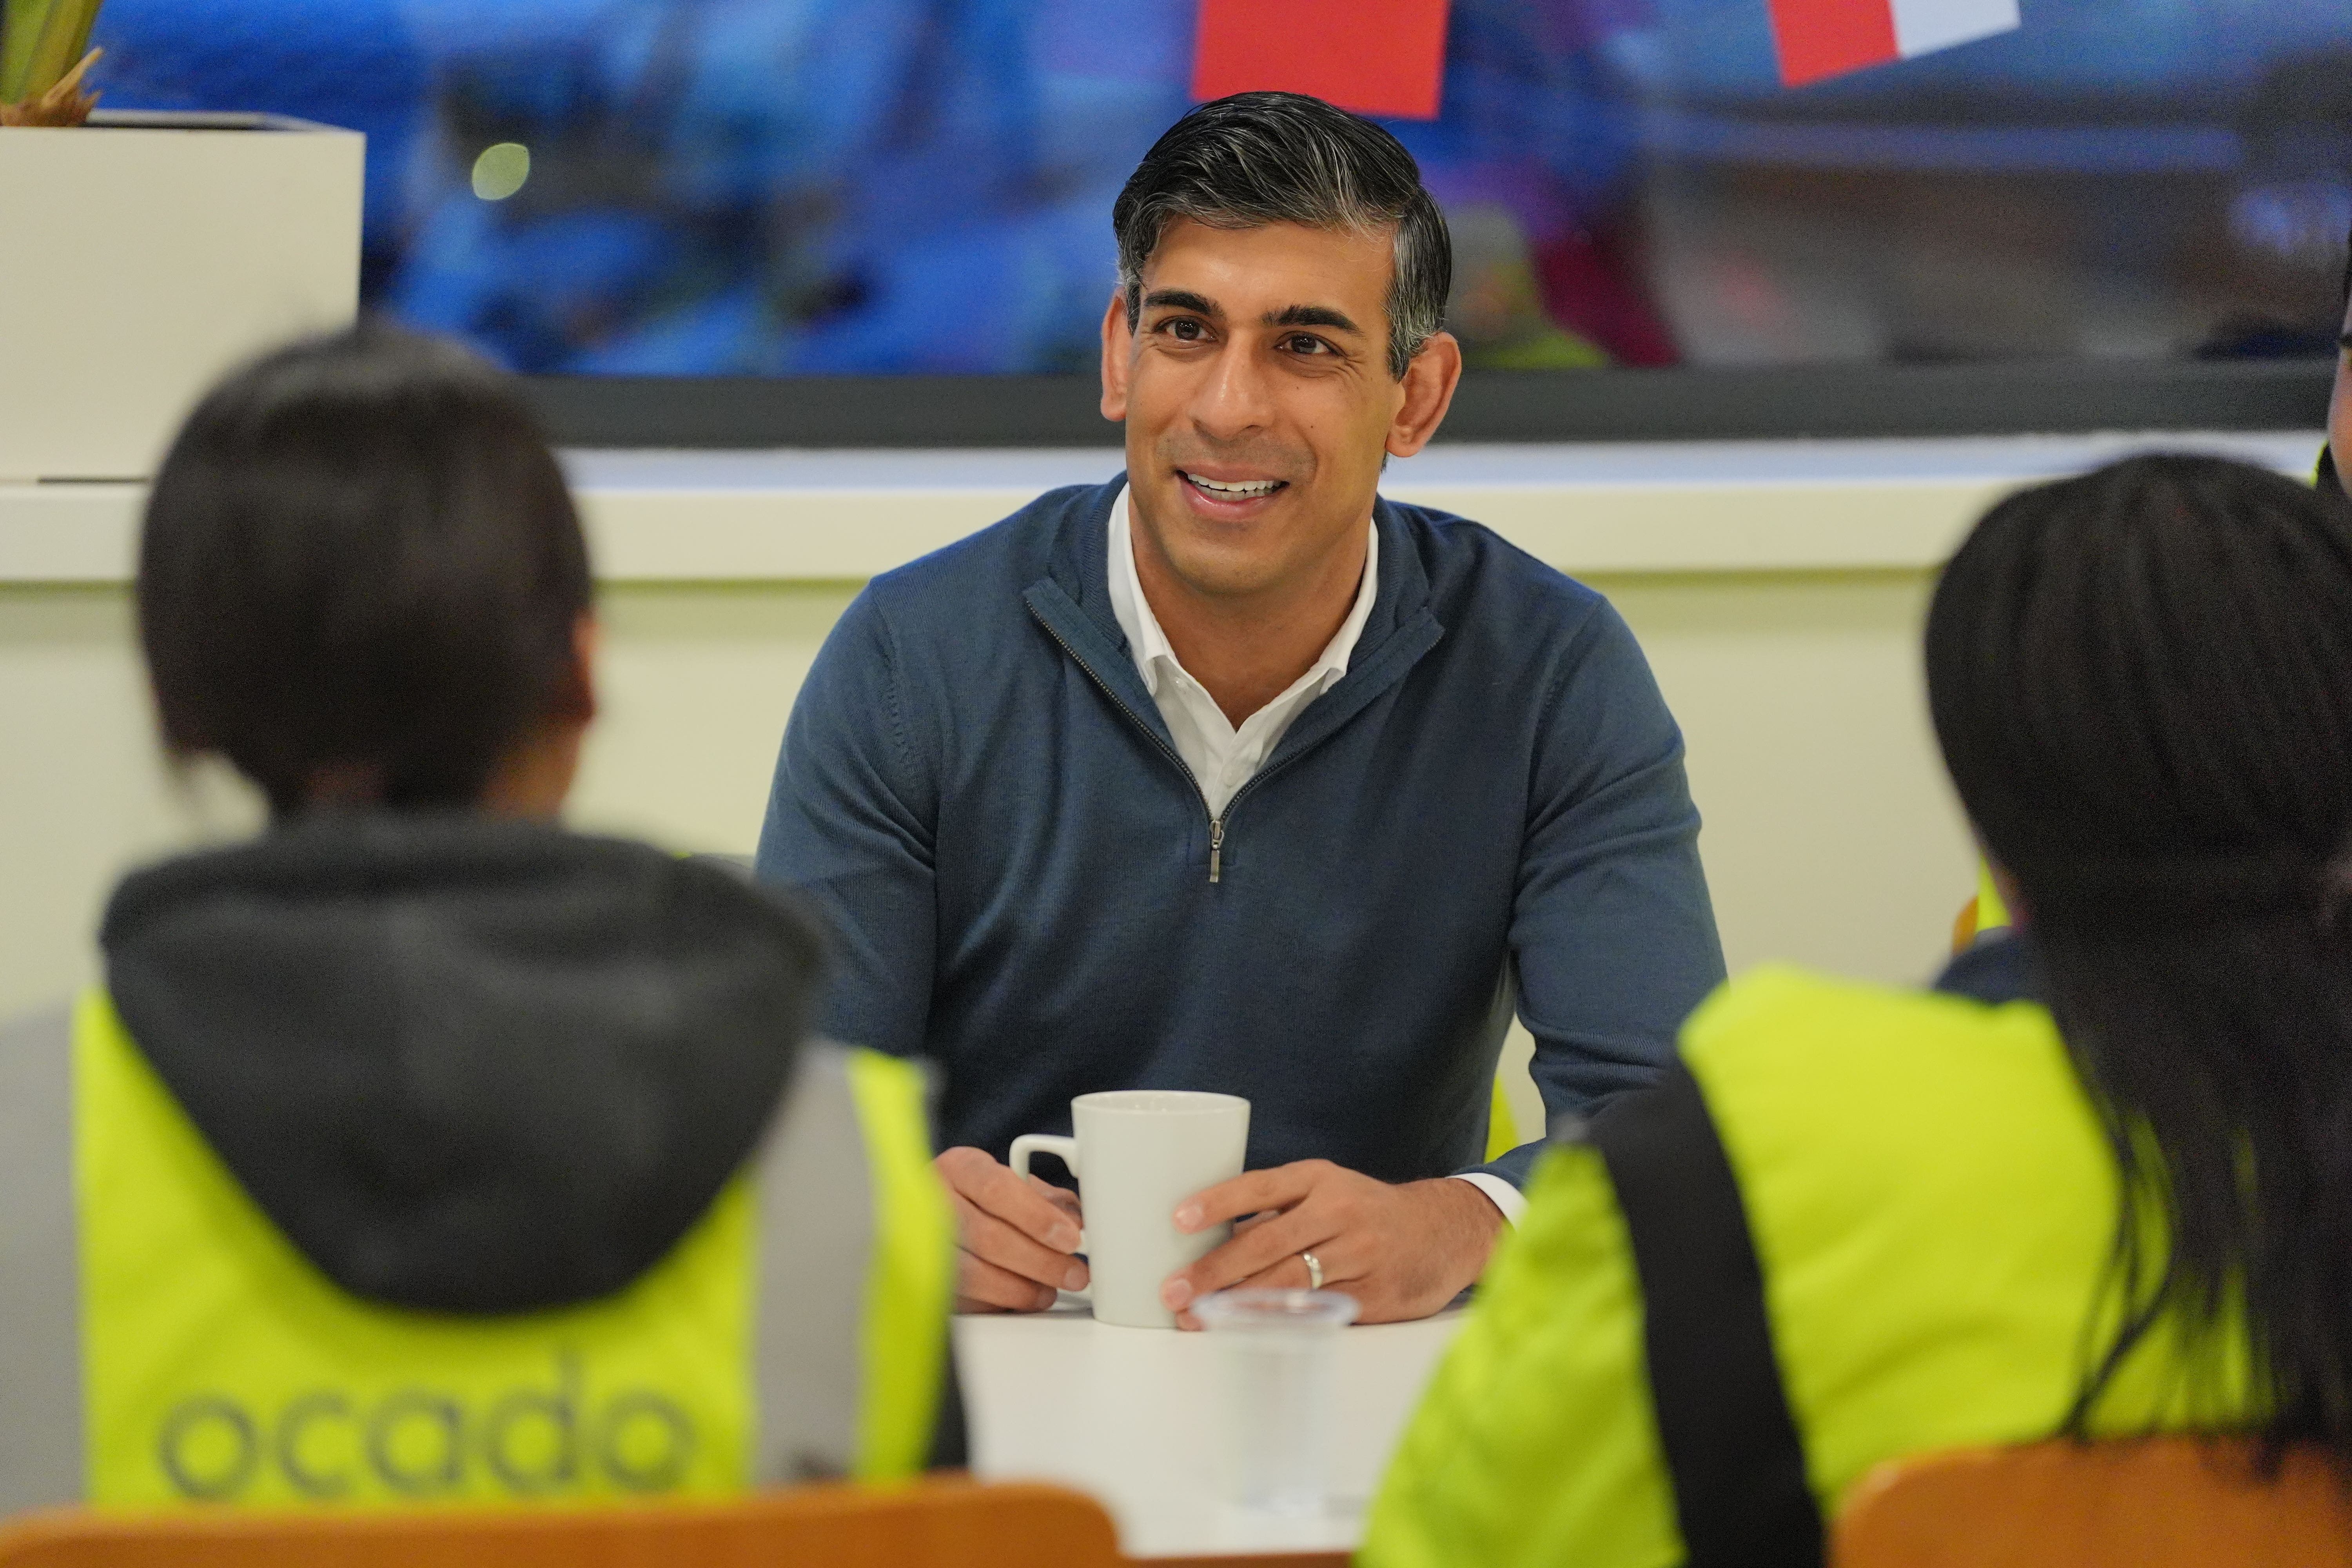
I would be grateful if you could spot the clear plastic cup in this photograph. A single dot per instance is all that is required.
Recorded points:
(1278, 1353)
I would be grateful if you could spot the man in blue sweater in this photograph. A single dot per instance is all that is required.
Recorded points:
(1229, 775)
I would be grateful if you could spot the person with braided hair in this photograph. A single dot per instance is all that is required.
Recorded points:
(1857, 1222)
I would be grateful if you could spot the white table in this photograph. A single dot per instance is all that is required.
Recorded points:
(1130, 1415)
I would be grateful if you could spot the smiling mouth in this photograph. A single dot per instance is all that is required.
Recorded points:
(1233, 490)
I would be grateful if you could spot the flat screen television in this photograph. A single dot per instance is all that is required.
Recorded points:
(705, 216)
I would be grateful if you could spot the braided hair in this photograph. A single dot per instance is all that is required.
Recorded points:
(2142, 682)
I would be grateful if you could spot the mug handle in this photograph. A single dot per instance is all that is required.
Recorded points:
(1029, 1143)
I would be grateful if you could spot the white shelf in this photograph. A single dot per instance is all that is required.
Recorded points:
(1665, 506)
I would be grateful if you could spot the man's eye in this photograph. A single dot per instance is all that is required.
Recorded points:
(1184, 329)
(1303, 344)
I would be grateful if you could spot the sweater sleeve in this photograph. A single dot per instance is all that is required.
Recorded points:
(1612, 931)
(851, 824)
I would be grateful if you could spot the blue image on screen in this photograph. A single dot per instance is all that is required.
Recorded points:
(812, 187)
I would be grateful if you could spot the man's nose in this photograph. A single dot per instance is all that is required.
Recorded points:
(1236, 396)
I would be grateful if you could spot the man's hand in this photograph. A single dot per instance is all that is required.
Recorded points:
(1014, 1238)
(1401, 1251)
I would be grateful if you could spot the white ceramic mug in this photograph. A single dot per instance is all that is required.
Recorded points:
(1139, 1153)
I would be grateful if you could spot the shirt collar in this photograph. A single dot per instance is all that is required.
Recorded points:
(1149, 645)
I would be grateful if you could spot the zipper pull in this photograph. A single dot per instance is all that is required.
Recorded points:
(1216, 847)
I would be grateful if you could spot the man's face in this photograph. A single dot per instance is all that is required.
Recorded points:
(2340, 408)
(1258, 401)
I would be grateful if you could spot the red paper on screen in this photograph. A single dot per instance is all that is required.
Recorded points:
(1375, 56)
(1822, 38)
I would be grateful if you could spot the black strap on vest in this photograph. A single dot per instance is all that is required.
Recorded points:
(1731, 1447)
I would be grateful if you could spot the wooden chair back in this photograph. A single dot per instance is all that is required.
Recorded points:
(933, 1524)
(2158, 1502)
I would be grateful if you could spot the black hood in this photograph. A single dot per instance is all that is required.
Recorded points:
(466, 1065)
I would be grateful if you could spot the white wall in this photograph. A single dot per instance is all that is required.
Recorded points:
(1778, 587)
(1828, 836)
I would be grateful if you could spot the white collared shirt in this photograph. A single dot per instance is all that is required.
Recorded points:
(1222, 756)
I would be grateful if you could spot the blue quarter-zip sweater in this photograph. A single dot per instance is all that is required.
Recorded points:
(1488, 809)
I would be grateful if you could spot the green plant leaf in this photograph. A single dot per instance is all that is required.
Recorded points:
(42, 40)
(20, 29)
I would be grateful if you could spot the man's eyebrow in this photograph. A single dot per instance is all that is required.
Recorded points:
(1312, 316)
(2344, 343)
(1181, 299)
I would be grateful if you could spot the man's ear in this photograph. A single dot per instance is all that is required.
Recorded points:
(1429, 383)
(1117, 343)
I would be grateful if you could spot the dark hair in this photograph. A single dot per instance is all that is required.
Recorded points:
(2142, 681)
(1259, 158)
(359, 554)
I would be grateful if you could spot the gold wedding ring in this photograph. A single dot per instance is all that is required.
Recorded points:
(1313, 1271)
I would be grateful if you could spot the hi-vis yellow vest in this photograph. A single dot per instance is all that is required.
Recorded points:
(220, 1366)
(1933, 1204)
